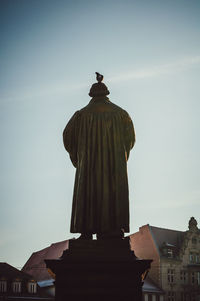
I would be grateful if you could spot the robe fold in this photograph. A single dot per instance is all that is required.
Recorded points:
(99, 138)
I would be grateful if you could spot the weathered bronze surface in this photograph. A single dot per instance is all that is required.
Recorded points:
(99, 138)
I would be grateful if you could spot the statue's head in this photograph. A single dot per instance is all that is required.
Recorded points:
(99, 89)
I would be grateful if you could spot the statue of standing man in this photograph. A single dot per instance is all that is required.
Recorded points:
(99, 138)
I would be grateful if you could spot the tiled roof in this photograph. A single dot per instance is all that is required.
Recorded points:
(167, 236)
(36, 266)
(10, 272)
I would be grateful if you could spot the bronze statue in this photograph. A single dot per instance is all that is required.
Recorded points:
(99, 138)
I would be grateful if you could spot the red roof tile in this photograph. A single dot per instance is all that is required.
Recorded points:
(36, 267)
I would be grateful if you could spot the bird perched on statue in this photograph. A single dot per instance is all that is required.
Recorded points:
(99, 77)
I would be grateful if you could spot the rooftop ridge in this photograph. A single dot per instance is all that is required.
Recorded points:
(14, 269)
(59, 242)
(166, 229)
(49, 246)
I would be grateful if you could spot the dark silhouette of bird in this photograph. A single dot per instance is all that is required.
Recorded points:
(99, 77)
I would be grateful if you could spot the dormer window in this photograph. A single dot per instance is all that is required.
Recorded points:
(32, 287)
(3, 286)
(168, 250)
(16, 287)
(169, 253)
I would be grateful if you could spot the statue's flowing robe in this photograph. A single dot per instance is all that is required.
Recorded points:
(99, 138)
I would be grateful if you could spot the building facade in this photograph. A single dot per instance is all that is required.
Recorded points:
(17, 285)
(176, 259)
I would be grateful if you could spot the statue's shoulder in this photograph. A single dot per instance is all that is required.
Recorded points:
(76, 115)
(82, 111)
(74, 119)
(120, 110)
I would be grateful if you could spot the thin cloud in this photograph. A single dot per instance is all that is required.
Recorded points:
(42, 92)
(62, 88)
(157, 70)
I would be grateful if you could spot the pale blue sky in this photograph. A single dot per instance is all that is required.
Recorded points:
(149, 53)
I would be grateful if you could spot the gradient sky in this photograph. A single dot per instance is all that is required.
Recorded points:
(149, 53)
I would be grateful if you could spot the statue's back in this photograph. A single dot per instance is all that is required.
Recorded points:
(99, 138)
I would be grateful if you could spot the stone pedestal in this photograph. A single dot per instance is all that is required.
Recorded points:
(94, 270)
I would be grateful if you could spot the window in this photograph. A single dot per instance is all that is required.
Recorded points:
(171, 296)
(149, 297)
(16, 286)
(32, 287)
(191, 257)
(193, 278)
(194, 240)
(170, 276)
(198, 278)
(183, 277)
(194, 257)
(3, 286)
(169, 253)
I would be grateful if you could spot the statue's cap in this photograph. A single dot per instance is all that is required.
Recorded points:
(99, 89)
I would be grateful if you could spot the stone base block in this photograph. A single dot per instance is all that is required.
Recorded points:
(94, 270)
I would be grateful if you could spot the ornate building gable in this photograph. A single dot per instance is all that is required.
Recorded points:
(177, 268)
(190, 248)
